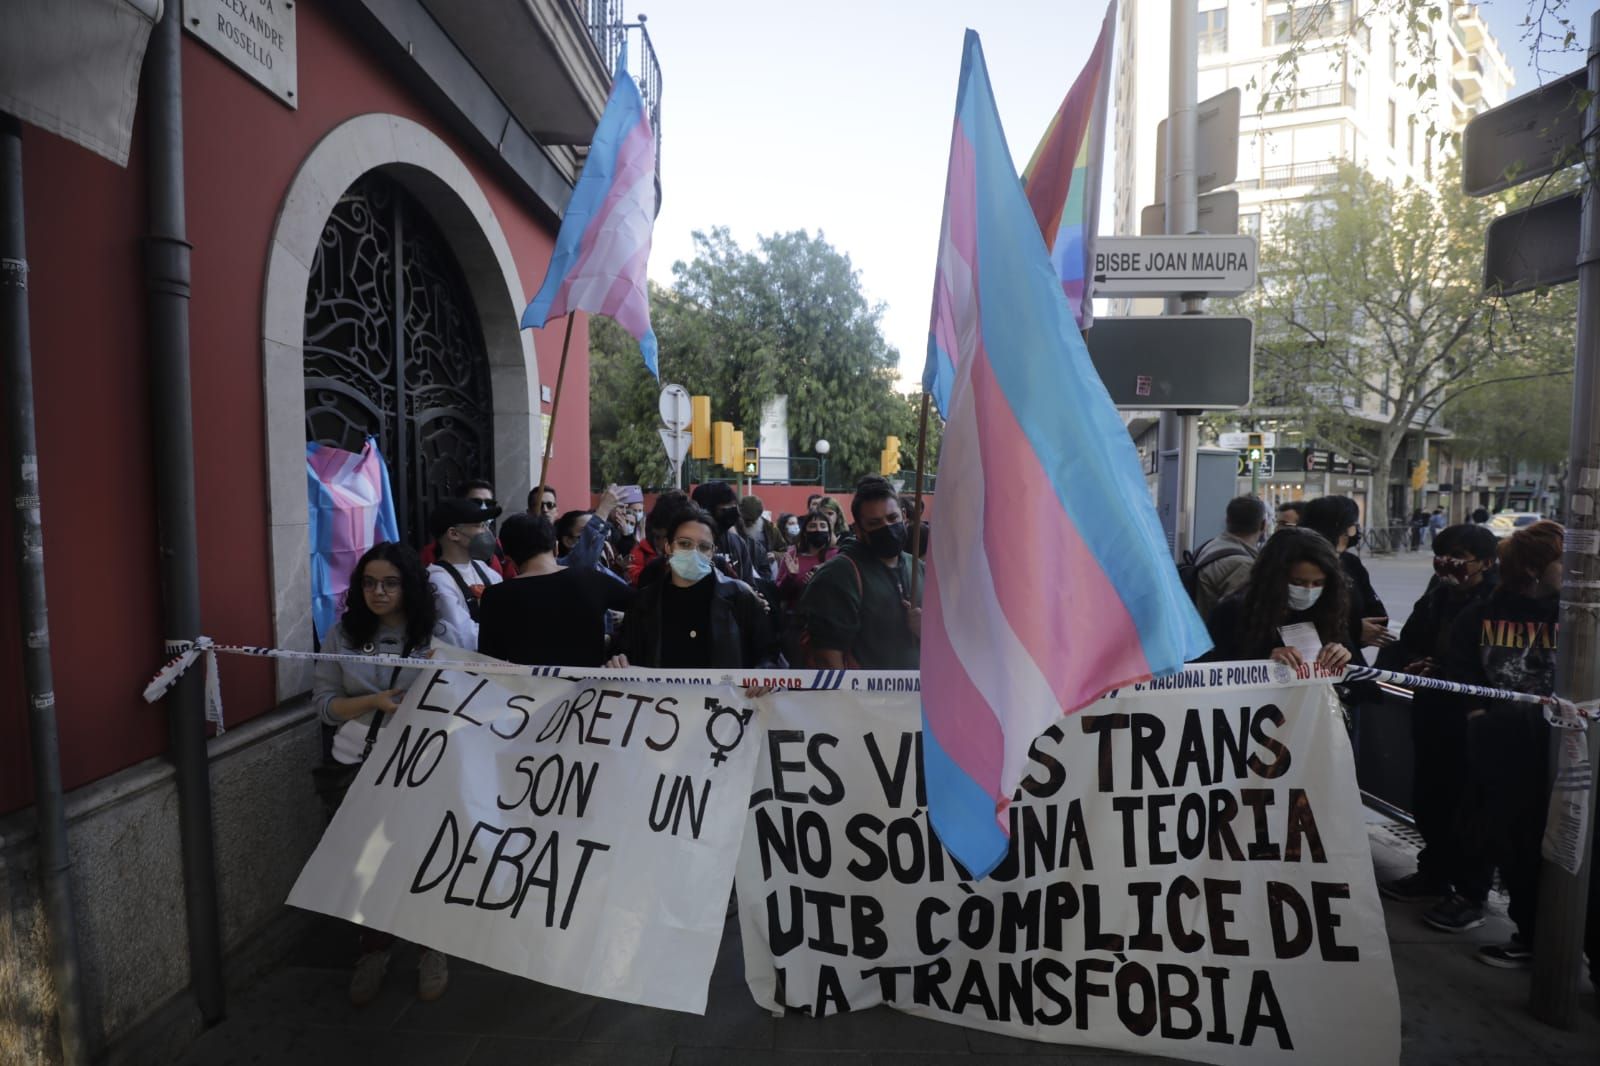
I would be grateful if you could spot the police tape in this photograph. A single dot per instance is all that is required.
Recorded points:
(1558, 712)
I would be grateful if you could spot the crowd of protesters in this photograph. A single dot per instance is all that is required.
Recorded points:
(1488, 618)
(710, 580)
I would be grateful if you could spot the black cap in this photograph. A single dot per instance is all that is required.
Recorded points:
(460, 511)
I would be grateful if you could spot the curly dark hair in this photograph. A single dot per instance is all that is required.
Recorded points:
(416, 597)
(1266, 597)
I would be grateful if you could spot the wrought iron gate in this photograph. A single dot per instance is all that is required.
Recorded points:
(394, 349)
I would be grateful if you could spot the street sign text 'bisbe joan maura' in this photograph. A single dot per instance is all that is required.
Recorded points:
(1221, 265)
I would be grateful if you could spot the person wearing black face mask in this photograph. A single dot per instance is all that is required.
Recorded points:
(1338, 519)
(1464, 569)
(814, 545)
(734, 555)
(857, 611)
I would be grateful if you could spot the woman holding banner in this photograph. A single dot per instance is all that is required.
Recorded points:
(1293, 611)
(695, 617)
(390, 611)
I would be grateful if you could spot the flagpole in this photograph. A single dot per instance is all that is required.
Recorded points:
(555, 408)
(916, 504)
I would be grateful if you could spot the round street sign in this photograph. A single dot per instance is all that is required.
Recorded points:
(675, 408)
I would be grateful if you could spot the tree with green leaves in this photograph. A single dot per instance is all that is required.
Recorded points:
(1514, 423)
(787, 318)
(1371, 321)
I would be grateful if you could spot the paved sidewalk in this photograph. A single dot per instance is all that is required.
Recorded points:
(1455, 1012)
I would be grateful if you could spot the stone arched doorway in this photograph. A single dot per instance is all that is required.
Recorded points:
(394, 349)
(418, 162)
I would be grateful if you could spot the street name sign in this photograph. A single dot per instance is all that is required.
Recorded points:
(1174, 362)
(1536, 134)
(1215, 212)
(1534, 247)
(1216, 146)
(257, 36)
(1169, 266)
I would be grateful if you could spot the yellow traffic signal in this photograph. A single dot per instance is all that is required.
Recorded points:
(889, 461)
(752, 463)
(1255, 441)
(1419, 475)
(722, 443)
(699, 427)
(735, 448)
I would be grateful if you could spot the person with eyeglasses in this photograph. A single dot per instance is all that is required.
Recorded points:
(499, 562)
(389, 611)
(544, 505)
(695, 617)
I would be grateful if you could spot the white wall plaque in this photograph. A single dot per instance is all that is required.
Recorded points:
(257, 36)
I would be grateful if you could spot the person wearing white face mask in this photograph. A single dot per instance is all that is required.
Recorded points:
(1296, 579)
(695, 617)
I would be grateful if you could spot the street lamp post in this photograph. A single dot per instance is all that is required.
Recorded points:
(823, 447)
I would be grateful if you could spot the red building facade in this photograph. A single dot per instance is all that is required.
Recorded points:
(393, 100)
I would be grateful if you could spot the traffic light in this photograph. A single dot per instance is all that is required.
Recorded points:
(1255, 442)
(735, 448)
(699, 427)
(889, 460)
(752, 463)
(722, 443)
(1419, 474)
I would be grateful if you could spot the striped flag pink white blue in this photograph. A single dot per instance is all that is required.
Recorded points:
(1050, 583)
(604, 243)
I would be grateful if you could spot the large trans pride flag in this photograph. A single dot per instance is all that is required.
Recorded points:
(1052, 583)
(351, 510)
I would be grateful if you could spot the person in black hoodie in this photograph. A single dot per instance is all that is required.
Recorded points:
(1508, 641)
(1338, 519)
(1464, 559)
(694, 616)
(1296, 578)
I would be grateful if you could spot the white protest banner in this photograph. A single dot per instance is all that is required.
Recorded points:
(1189, 876)
(579, 833)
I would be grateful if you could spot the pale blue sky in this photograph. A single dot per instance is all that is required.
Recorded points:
(834, 116)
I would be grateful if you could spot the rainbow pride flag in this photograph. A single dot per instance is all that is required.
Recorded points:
(1052, 583)
(604, 243)
(1063, 177)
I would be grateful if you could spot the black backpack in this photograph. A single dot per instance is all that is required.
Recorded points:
(1190, 566)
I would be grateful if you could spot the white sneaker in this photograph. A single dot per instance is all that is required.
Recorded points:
(368, 977)
(433, 974)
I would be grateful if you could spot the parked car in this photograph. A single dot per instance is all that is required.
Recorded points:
(1506, 523)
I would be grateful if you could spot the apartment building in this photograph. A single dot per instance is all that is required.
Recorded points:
(1354, 93)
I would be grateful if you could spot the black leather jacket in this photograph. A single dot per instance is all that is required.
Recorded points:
(741, 638)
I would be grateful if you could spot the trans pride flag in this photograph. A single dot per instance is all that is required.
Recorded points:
(1051, 584)
(351, 510)
(1063, 177)
(604, 243)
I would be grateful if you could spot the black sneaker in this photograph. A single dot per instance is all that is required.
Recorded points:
(1509, 956)
(1413, 887)
(1454, 915)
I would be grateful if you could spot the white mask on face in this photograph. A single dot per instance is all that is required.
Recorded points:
(1303, 599)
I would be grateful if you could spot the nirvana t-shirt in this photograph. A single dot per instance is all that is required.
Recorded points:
(1507, 641)
(550, 619)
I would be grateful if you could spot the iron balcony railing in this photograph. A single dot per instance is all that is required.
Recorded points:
(609, 30)
(1287, 174)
